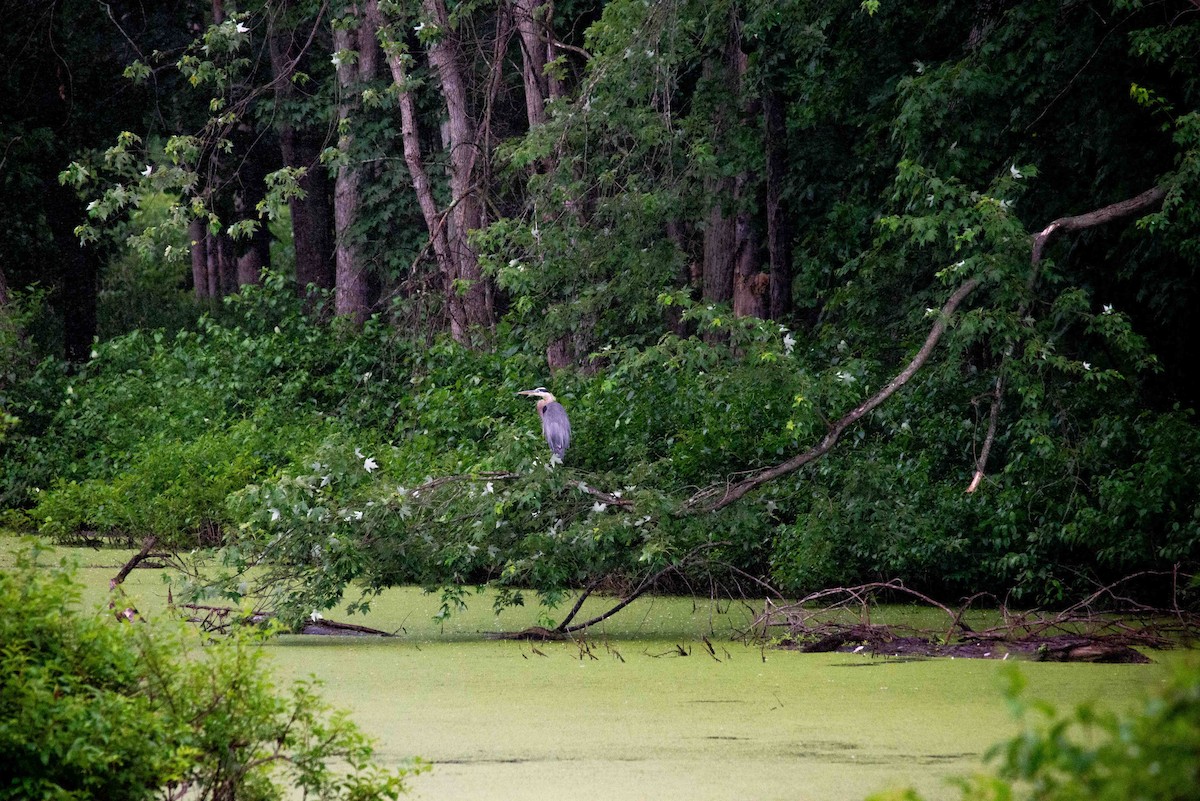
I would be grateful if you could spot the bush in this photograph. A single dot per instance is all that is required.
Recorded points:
(94, 706)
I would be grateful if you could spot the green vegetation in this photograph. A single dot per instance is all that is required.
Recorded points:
(832, 293)
(108, 705)
(490, 715)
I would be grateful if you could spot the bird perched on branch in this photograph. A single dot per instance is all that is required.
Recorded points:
(556, 428)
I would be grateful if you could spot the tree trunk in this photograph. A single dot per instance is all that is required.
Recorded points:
(470, 295)
(3, 288)
(721, 233)
(352, 295)
(751, 286)
(720, 245)
(253, 255)
(80, 274)
(779, 234)
(221, 272)
(300, 146)
(533, 59)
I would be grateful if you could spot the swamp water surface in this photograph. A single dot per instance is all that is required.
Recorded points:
(635, 719)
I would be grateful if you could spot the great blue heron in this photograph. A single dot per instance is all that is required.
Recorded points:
(555, 425)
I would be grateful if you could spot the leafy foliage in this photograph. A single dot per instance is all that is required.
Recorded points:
(93, 705)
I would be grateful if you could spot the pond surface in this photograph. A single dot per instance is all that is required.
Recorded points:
(627, 716)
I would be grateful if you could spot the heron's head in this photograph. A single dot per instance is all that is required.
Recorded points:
(540, 392)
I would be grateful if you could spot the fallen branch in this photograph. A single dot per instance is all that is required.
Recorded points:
(607, 497)
(1105, 626)
(219, 619)
(642, 588)
(703, 500)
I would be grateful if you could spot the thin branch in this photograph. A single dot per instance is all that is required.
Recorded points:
(703, 499)
(583, 596)
(646, 585)
(993, 422)
(607, 497)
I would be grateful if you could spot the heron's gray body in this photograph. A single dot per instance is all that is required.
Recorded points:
(556, 427)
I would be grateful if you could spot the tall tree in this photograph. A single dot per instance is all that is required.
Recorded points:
(301, 139)
(357, 54)
(467, 293)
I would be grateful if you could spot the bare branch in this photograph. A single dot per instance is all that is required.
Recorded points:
(133, 562)
(607, 497)
(641, 589)
(1144, 202)
(993, 422)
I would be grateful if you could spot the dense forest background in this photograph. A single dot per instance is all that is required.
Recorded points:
(831, 291)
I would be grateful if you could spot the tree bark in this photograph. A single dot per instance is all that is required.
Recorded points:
(751, 286)
(468, 295)
(300, 147)
(720, 245)
(533, 59)
(779, 234)
(721, 234)
(352, 293)
(471, 296)
(253, 255)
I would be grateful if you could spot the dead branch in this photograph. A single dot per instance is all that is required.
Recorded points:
(1104, 626)
(1144, 202)
(642, 588)
(606, 497)
(990, 437)
(703, 500)
(219, 619)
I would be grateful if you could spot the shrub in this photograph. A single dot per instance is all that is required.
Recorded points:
(94, 706)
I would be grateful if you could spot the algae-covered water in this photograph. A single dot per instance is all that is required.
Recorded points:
(628, 716)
